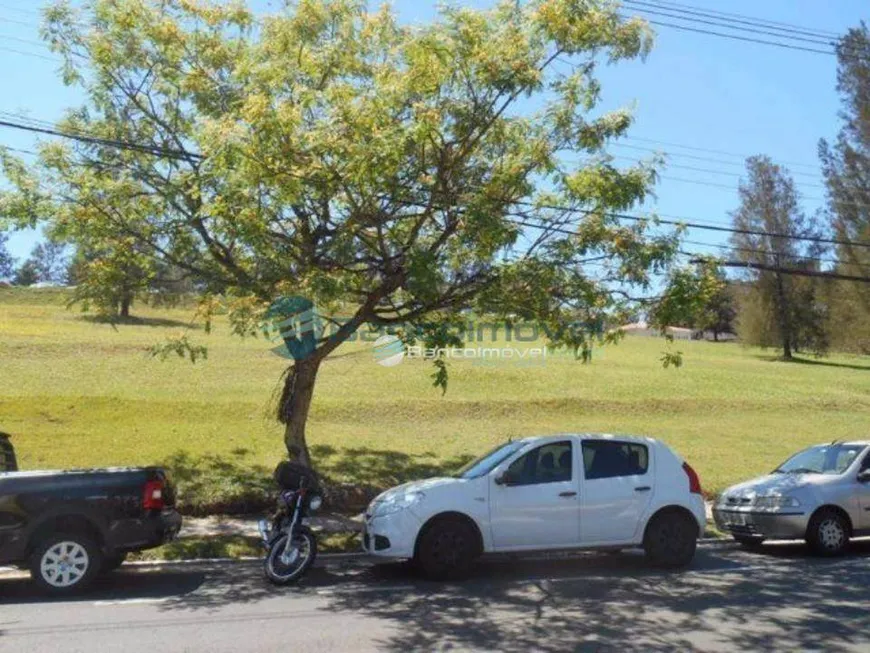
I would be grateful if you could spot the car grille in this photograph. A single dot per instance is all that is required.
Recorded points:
(738, 501)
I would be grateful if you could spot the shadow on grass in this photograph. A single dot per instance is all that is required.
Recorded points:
(815, 362)
(209, 484)
(139, 321)
(381, 467)
(204, 548)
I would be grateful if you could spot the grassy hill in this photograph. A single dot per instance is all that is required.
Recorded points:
(75, 392)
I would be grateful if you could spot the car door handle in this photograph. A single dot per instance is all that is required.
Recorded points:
(567, 494)
(643, 488)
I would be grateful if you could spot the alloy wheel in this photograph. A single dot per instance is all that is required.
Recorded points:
(64, 564)
(831, 534)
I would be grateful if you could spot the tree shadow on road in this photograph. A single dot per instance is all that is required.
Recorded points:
(617, 603)
(122, 585)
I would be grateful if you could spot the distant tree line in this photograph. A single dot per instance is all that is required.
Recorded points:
(107, 278)
(787, 295)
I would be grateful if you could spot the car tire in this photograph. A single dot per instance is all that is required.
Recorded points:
(65, 563)
(670, 539)
(828, 533)
(753, 543)
(113, 561)
(446, 550)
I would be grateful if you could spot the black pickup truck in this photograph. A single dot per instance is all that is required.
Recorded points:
(69, 526)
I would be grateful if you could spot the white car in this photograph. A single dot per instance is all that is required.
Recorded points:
(572, 491)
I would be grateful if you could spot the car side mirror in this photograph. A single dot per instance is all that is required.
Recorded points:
(504, 479)
(864, 477)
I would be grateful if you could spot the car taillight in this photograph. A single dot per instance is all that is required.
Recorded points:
(694, 481)
(152, 495)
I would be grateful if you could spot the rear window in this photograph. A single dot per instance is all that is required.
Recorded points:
(612, 458)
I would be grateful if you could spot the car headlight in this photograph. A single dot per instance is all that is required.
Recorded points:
(315, 502)
(396, 503)
(776, 501)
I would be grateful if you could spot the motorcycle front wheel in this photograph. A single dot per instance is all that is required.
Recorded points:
(283, 567)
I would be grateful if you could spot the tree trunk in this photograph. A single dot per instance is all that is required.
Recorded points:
(126, 302)
(715, 335)
(294, 405)
(784, 318)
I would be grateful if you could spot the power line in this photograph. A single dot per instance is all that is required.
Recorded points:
(21, 10)
(699, 258)
(36, 125)
(736, 38)
(23, 41)
(726, 23)
(95, 140)
(835, 276)
(688, 223)
(727, 173)
(764, 21)
(15, 21)
(752, 250)
(713, 184)
(695, 148)
(692, 225)
(705, 159)
(30, 54)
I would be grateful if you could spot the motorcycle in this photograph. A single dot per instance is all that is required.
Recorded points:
(291, 546)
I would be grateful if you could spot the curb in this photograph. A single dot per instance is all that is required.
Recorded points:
(326, 557)
(323, 560)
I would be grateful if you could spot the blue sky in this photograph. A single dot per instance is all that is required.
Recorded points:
(693, 90)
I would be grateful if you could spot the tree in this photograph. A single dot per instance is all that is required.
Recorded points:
(109, 274)
(49, 259)
(7, 262)
(330, 153)
(846, 166)
(778, 307)
(27, 274)
(719, 312)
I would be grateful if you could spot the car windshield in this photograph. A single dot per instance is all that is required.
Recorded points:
(821, 459)
(488, 462)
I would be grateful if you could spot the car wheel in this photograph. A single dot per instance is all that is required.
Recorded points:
(670, 540)
(749, 542)
(65, 563)
(113, 561)
(828, 533)
(446, 550)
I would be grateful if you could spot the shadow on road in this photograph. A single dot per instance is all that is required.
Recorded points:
(112, 587)
(738, 601)
(778, 599)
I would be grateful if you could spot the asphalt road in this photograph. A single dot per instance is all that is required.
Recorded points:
(781, 599)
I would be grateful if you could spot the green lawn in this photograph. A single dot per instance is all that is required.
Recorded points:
(74, 392)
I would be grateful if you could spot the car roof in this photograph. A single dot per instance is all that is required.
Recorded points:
(591, 436)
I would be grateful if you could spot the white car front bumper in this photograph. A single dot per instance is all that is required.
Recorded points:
(391, 536)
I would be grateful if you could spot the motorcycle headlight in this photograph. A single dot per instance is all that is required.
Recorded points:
(776, 501)
(315, 502)
(396, 503)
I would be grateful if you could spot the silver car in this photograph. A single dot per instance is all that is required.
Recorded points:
(821, 495)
